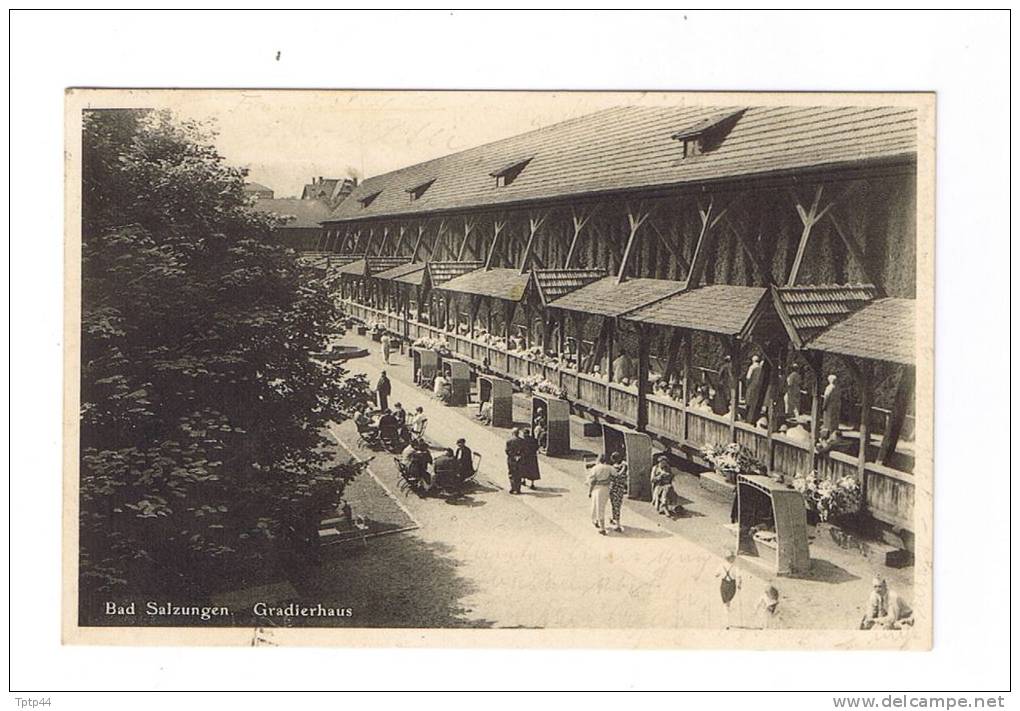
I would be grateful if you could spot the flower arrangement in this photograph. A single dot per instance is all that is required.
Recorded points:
(439, 345)
(733, 459)
(536, 383)
(829, 498)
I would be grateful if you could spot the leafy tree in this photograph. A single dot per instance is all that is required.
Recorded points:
(203, 411)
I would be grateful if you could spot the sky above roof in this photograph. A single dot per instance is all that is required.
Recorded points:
(286, 138)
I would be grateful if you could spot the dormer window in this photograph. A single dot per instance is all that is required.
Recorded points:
(706, 134)
(508, 173)
(418, 190)
(369, 199)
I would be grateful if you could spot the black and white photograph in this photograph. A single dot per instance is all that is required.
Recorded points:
(652, 363)
(392, 357)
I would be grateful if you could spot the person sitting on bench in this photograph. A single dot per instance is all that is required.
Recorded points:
(417, 457)
(446, 470)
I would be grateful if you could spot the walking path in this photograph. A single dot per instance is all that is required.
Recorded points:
(535, 560)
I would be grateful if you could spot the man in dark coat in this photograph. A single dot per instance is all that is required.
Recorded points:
(382, 390)
(529, 458)
(514, 454)
(465, 460)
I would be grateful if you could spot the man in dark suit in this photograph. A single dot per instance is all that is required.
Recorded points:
(465, 461)
(382, 389)
(514, 454)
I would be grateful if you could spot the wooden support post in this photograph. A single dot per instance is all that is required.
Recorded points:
(894, 424)
(561, 336)
(497, 227)
(476, 303)
(672, 353)
(579, 221)
(635, 220)
(439, 243)
(735, 362)
(643, 363)
(402, 230)
(534, 223)
(417, 242)
(704, 244)
(816, 362)
(687, 337)
(809, 218)
(866, 384)
(752, 253)
(385, 240)
(508, 315)
(468, 226)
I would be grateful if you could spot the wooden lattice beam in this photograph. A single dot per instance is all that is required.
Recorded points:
(635, 218)
(534, 223)
(417, 242)
(579, 220)
(469, 225)
(709, 219)
(497, 227)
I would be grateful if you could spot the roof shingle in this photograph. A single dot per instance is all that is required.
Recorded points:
(632, 147)
(810, 309)
(718, 308)
(400, 270)
(442, 272)
(506, 284)
(882, 330)
(554, 283)
(606, 297)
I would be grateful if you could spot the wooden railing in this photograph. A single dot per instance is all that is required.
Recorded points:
(623, 403)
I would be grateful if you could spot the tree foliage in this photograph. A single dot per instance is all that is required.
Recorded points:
(203, 410)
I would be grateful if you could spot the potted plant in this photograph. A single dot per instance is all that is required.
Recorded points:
(732, 459)
(826, 499)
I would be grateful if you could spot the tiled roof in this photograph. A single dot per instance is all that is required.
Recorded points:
(718, 308)
(401, 270)
(322, 189)
(882, 330)
(307, 213)
(607, 298)
(506, 284)
(632, 147)
(807, 310)
(442, 272)
(554, 283)
(380, 264)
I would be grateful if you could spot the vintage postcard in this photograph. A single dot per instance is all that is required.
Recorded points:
(499, 369)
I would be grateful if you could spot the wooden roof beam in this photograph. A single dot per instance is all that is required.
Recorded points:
(579, 221)
(635, 219)
(497, 227)
(703, 246)
(809, 218)
(417, 243)
(534, 223)
(468, 226)
(402, 230)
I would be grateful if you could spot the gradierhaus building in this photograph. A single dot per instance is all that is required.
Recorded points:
(678, 236)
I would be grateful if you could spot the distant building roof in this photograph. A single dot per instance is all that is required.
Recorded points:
(808, 310)
(320, 189)
(882, 330)
(606, 297)
(307, 213)
(256, 188)
(717, 308)
(633, 147)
